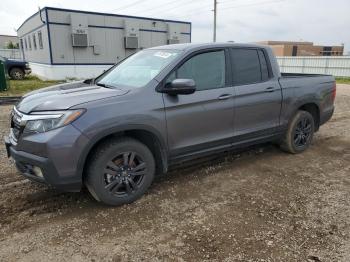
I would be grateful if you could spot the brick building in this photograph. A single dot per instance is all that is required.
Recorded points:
(289, 48)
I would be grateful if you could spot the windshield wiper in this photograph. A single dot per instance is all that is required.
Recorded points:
(105, 85)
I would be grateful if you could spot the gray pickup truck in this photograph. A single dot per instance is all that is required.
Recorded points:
(163, 106)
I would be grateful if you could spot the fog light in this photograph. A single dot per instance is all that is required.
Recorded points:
(37, 171)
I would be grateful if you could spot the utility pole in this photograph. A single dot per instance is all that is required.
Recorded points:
(215, 9)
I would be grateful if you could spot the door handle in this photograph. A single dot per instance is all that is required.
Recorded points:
(270, 89)
(224, 96)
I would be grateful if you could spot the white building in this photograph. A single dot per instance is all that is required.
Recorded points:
(61, 43)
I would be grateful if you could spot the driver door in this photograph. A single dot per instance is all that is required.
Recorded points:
(202, 121)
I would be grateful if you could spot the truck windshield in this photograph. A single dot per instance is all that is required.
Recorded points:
(139, 69)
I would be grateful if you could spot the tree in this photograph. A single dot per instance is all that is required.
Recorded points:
(11, 45)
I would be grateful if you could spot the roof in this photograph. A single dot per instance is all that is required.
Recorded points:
(189, 46)
(98, 13)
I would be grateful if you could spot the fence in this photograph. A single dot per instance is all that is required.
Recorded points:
(11, 53)
(331, 65)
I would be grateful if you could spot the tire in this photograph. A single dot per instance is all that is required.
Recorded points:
(120, 171)
(299, 134)
(16, 73)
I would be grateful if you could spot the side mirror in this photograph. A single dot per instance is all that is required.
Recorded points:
(180, 87)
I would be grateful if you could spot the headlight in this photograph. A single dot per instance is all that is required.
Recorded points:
(40, 122)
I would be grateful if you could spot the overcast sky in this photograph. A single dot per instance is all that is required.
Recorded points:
(320, 21)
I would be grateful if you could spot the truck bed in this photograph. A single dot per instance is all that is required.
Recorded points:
(294, 75)
(310, 81)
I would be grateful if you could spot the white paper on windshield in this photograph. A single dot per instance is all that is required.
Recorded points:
(164, 55)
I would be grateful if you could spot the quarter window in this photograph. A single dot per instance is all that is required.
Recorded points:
(264, 68)
(206, 69)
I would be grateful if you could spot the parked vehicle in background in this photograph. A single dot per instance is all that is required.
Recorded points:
(159, 107)
(16, 69)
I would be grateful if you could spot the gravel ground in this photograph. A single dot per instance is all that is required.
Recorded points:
(257, 205)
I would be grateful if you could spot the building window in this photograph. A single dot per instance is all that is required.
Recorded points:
(34, 41)
(21, 43)
(29, 43)
(40, 39)
(25, 43)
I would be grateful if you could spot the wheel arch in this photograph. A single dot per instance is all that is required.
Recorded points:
(146, 135)
(314, 110)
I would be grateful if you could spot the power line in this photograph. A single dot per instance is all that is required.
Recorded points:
(204, 10)
(127, 6)
(164, 4)
(177, 7)
(215, 10)
(228, 1)
(254, 4)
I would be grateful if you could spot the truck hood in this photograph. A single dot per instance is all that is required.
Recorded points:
(64, 96)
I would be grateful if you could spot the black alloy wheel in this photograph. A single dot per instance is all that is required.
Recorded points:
(302, 132)
(120, 171)
(124, 174)
(299, 134)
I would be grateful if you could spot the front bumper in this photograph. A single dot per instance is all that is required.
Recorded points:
(25, 163)
(27, 71)
(56, 153)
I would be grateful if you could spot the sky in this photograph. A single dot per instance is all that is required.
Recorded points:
(323, 22)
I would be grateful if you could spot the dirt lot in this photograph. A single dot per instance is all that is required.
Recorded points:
(258, 205)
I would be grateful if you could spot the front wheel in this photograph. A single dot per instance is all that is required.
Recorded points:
(120, 171)
(300, 133)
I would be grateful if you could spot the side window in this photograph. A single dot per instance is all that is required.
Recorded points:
(264, 68)
(206, 69)
(25, 43)
(21, 44)
(246, 66)
(40, 39)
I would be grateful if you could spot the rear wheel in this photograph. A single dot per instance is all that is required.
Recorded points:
(300, 133)
(120, 171)
(16, 73)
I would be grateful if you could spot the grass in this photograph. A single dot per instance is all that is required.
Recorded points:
(29, 83)
(343, 80)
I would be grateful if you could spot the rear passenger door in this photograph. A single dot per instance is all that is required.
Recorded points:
(201, 121)
(257, 94)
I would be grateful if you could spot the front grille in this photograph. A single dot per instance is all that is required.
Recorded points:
(16, 128)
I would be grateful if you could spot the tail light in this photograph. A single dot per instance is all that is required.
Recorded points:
(334, 91)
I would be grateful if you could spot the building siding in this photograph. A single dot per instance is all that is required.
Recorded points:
(106, 31)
